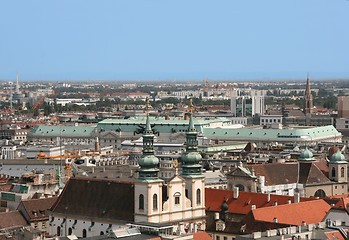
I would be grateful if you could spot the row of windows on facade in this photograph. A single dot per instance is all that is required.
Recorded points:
(177, 200)
(70, 232)
(271, 120)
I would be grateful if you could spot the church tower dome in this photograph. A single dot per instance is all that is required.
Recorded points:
(306, 155)
(191, 158)
(338, 157)
(148, 162)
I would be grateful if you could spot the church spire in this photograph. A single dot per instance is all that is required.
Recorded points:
(308, 99)
(191, 166)
(148, 163)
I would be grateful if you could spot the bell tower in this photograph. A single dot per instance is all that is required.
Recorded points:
(338, 167)
(191, 170)
(148, 185)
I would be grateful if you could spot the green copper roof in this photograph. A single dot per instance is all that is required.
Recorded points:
(191, 166)
(338, 157)
(148, 162)
(306, 155)
(160, 124)
(64, 131)
(248, 134)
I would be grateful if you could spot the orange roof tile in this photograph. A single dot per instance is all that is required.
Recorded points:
(309, 212)
(201, 236)
(343, 203)
(242, 205)
(335, 235)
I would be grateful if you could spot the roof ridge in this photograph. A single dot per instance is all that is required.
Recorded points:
(100, 180)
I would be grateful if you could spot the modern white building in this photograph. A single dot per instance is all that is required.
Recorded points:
(247, 103)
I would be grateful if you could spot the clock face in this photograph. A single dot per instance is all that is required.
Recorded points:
(175, 163)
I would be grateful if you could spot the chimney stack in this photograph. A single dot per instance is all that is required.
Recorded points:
(236, 192)
(296, 198)
(268, 197)
(97, 145)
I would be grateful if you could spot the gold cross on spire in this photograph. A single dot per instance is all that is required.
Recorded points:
(147, 107)
(191, 106)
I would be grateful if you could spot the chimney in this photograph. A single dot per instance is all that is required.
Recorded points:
(268, 197)
(289, 201)
(275, 203)
(253, 207)
(97, 145)
(216, 215)
(236, 192)
(296, 198)
(167, 117)
(186, 117)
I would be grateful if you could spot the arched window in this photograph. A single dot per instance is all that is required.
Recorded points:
(333, 172)
(155, 201)
(320, 193)
(141, 202)
(84, 233)
(58, 231)
(177, 198)
(198, 196)
(342, 172)
(70, 231)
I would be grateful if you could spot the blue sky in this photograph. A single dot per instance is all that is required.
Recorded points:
(163, 39)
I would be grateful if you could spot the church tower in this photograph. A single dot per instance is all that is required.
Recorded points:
(148, 186)
(308, 99)
(338, 167)
(191, 170)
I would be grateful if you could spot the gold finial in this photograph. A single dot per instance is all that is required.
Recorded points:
(191, 106)
(147, 107)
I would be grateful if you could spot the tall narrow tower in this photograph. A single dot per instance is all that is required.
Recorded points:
(308, 99)
(191, 170)
(148, 185)
(17, 84)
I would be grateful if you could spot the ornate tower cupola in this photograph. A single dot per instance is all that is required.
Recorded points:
(338, 167)
(306, 155)
(191, 166)
(148, 162)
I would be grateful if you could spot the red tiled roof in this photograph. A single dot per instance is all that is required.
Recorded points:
(335, 235)
(242, 205)
(201, 236)
(343, 203)
(5, 188)
(36, 209)
(12, 219)
(309, 212)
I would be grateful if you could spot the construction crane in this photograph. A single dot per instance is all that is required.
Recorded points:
(37, 105)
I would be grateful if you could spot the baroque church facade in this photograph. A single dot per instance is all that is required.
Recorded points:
(180, 201)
